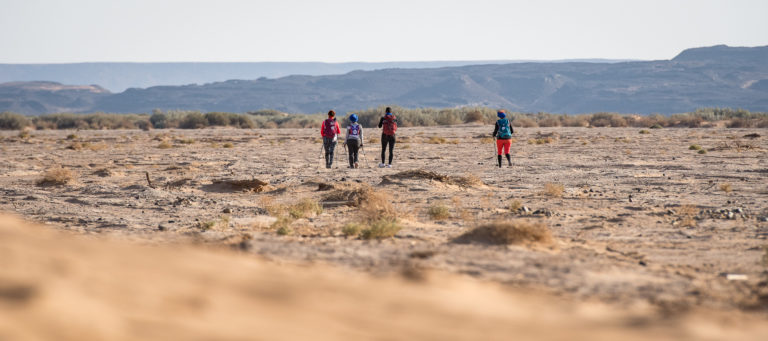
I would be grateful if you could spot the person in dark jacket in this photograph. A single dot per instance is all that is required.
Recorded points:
(502, 132)
(389, 125)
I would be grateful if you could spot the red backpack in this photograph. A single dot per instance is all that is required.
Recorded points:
(329, 128)
(389, 125)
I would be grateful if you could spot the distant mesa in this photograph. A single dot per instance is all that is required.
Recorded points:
(717, 76)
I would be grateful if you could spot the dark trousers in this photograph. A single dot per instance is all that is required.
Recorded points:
(387, 140)
(329, 145)
(353, 147)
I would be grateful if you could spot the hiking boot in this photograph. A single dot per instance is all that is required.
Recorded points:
(356, 166)
(381, 165)
(389, 165)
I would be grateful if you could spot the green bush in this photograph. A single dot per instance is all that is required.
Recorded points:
(193, 120)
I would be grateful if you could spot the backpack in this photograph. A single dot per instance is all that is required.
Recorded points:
(329, 128)
(389, 125)
(504, 132)
(354, 131)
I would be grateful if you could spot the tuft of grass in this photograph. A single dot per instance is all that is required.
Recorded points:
(486, 140)
(694, 147)
(644, 132)
(305, 208)
(544, 140)
(381, 229)
(207, 225)
(58, 176)
(165, 145)
(282, 223)
(437, 140)
(71, 137)
(228, 145)
(351, 229)
(186, 141)
(703, 151)
(439, 212)
(284, 231)
(687, 214)
(24, 134)
(726, 187)
(515, 205)
(506, 233)
(553, 190)
(655, 126)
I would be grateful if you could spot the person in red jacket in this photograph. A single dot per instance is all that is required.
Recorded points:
(330, 131)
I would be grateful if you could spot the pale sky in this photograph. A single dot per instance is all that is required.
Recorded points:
(64, 31)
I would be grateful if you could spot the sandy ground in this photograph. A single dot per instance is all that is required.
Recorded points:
(644, 222)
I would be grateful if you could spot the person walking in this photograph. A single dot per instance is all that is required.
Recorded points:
(502, 132)
(353, 140)
(329, 130)
(389, 125)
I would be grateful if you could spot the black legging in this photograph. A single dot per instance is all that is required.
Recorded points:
(353, 146)
(387, 140)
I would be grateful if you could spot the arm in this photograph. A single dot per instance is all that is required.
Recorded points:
(338, 131)
(381, 121)
(495, 129)
(361, 136)
(322, 129)
(511, 130)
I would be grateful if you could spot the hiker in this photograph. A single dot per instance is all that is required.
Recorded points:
(502, 132)
(329, 130)
(354, 140)
(389, 123)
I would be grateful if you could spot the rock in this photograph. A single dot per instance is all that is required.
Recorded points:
(736, 277)
(162, 227)
(227, 210)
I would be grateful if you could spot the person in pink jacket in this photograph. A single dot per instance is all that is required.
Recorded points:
(330, 131)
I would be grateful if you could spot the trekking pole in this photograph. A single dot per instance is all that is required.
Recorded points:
(364, 157)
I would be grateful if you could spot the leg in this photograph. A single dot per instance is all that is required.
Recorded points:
(391, 147)
(331, 147)
(499, 146)
(383, 147)
(507, 145)
(326, 147)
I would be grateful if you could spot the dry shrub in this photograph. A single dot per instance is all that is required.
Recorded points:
(24, 134)
(506, 233)
(553, 190)
(486, 140)
(354, 195)
(252, 185)
(56, 177)
(549, 122)
(71, 137)
(352, 229)
(305, 208)
(525, 122)
(515, 205)
(165, 145)
(228, 145)
(437, 140)
(643, 131)
(694, 147)
(439, 212)
(726, 187)
(380, 229)
(186, 141)
(377, 206)
(687, 214)
(463, 181)
(544, 140)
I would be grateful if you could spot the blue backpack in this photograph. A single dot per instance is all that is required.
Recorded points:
(504, 132)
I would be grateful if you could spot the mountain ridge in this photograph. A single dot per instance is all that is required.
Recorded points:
(717, 76)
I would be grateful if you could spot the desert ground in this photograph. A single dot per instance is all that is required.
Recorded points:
(666, 240)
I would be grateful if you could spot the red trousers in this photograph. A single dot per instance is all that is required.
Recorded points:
(503, 144)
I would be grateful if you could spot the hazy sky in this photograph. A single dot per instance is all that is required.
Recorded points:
(53, 31)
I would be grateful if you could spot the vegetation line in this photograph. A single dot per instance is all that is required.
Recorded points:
(266, 119)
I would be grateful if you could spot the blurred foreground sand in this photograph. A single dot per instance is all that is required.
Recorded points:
(58, 286)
